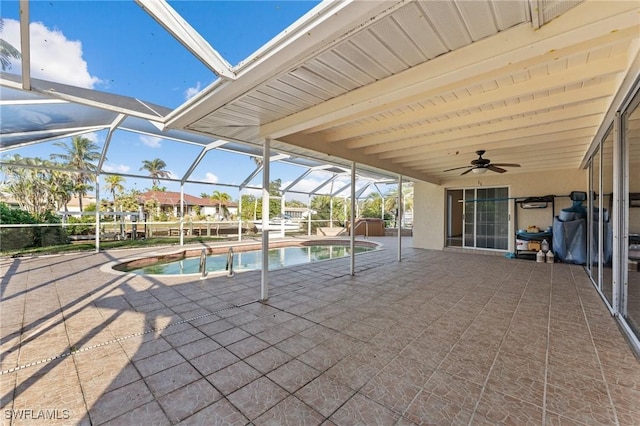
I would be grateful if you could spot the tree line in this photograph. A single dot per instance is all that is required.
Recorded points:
(44, 186)
(41, 186)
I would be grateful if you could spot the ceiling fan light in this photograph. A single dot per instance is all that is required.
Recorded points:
(479, 170)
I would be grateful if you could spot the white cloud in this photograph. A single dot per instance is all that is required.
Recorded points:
(53, 56)
(305, 185)
(151, 141)
(116, 168)
(93, 137)
(210, 177)
(192, 91)
(250, 191)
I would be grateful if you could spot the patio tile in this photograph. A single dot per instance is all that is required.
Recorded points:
(230, 336)
(141, 347)
(275, 334)
(447, 352)
(189, 399)
(293, 375)
(54, 384)
(197, 348)
(360, 410)
(473, 366)
(398, 383)
(214, 327)
(297, 324)
(626, 403)
(321, 357)
(119, 401)
(148, 414)
(292, 412)
(497, 408)
(182, 338)
(177, 327)
(220, 413)
(103, 370)
(233, 377)
(325, 395)
(158, 362)
(268, 359)
(296, 345)
(444, 398)
(518, 377)
(247, 347)
(430, 409)
(213, 361)
(257, 397)
(171, 379)
(7, 384)
(582, 399)
(206, 319)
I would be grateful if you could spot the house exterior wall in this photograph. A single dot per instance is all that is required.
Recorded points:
(430, 208)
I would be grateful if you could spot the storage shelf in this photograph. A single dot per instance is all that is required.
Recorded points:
(522, 203)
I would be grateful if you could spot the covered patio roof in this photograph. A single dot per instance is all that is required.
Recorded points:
(416, 87)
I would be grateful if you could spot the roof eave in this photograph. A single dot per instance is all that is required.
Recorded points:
(312, 33)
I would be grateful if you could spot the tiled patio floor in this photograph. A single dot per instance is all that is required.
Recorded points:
(440, 338)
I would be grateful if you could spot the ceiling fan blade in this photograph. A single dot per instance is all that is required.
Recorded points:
(496, 169)
(464, 173)
(458, 168)
(506, 165)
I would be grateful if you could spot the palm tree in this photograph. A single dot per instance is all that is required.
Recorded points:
(7, 51)
(156, 169)
(222, 197)
(61, 187)
(114, 185)
(32, 186)
(372, 206)
(81, 155)
(391, 203)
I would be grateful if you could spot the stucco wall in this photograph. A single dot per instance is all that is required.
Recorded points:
(429, 201)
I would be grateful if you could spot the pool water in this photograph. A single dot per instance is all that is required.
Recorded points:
(252, 260)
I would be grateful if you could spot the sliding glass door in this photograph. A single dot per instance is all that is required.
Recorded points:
(630, 270)
(486, 218)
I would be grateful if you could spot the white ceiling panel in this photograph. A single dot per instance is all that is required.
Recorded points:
(445, 17)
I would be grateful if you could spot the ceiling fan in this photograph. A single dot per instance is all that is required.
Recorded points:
(481, 165)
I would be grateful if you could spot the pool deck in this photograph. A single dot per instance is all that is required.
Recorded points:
(439, 338)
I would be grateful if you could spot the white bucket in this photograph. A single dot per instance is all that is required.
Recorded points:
(522, 245)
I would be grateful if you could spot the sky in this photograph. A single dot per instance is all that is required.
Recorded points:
(114, 46)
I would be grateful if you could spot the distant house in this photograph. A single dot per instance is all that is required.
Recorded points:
(169, 204)
(73, 206)
(297, 212)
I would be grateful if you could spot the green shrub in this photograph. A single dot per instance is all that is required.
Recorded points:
(28, 236)
(84, 225)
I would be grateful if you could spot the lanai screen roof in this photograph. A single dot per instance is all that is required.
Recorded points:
(50, 111)
(409, 87)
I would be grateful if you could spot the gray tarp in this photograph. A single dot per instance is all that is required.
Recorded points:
(570, 241)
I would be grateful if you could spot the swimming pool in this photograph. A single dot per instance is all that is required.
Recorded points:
(279, 257)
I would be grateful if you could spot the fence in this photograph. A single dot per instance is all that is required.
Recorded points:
(25, 236)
